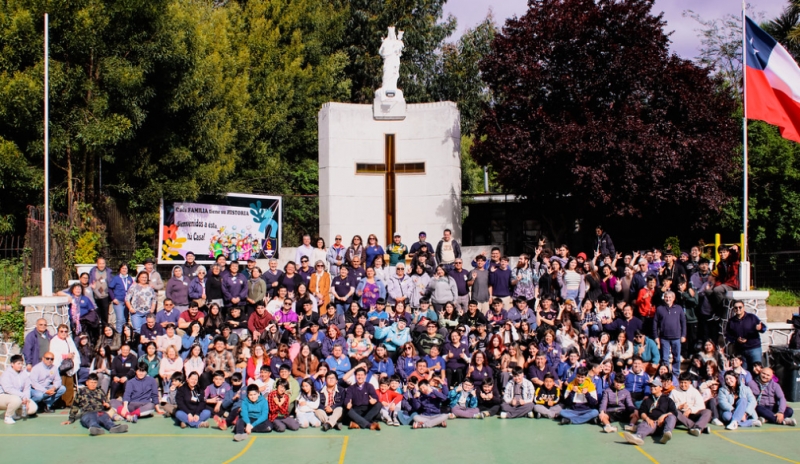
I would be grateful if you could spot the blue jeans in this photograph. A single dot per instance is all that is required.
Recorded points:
(341, 308)
(751, 355)
(119, 311)
(138, 320)
(673, 346)
(580, 417)
(738, 414)
(183, 417)
(97, 419)
(49, 400)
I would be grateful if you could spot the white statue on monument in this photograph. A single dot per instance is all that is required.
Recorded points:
(391, 49)
(389, 102)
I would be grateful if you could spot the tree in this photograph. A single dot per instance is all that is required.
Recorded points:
(597, 120)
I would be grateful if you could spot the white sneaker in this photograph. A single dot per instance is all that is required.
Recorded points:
(756, 423)
(733, 425)
(503, 415)
(9, 421)
(610, 429)
(717, 422)
(791, 422)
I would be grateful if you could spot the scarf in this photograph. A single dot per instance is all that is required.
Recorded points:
(75, 313)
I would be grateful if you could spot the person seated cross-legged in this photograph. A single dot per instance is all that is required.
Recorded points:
(254, 415)
(657, 412)
(771, 402)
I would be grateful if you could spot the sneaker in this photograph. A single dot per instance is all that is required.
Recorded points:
(756, 423)
(451, 416)
(763, 420)
(485, 413)
(503, 415)
(565, 421)
(121, 428)
(240, 437)
(325, 427)
(47, 410)
(95, 431)
(375, 427)
(217, 420)
(530, 415)
(132, 419)
(733, 425)
(666, 437)
(203, 425)
(354, 426)
(791, 422)
(395, 423)
(338, 426)
(633, 439)
(537, 415)
(165, 399)
(630, 428)
(707, 430)
(609, 429)
(478, 416)
(694, 432)
(718, 423)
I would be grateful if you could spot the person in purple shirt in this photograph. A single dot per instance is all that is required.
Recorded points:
(343, 286)
(272, 277)
(149, 332)
(669, 330)
(168, 315)
(234, 286)
(305, 270)
(463, 282)
(539, 368)
(500, 283)
(361, 401)
(140, 398)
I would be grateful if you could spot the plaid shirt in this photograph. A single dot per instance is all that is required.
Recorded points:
(277, 411)
(86, 401)
(591, 316)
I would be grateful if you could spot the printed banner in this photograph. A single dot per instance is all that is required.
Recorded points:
(238, 226)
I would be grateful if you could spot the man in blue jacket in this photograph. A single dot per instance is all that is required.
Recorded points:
(669, 331)
(254, 416)
(37, 343)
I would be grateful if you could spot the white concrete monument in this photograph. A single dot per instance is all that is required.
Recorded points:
(389, 167)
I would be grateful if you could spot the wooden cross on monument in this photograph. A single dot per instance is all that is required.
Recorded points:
(390, 169)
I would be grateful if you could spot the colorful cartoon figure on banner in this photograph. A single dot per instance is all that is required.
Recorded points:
(267, 225)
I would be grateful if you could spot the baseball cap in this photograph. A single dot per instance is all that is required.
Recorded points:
(396, 234)
(656, 382)
(582, 255)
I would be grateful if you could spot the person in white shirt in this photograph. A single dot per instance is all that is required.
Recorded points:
(15, 391)
(304, 250)
(692, 412)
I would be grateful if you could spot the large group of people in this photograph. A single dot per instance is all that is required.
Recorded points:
(358, 335)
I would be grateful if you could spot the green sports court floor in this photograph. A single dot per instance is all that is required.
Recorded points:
(488, 441)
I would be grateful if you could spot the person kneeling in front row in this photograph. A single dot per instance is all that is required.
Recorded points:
(254, 415)
(90, 407)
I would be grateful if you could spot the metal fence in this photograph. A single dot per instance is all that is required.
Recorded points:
(778, 270)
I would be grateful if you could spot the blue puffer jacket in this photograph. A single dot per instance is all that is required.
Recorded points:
(726, 401)
(456, 396)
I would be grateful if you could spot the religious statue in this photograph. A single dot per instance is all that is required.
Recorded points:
(391, 49)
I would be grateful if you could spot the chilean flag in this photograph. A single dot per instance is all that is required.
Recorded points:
(773, 83)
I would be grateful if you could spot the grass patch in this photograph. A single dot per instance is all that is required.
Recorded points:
(783, 298)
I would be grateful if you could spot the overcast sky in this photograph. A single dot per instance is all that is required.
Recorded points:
(684, 40)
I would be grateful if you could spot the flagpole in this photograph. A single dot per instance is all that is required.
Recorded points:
(744, 274)
(47, 273)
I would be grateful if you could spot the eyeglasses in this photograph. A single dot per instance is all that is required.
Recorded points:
(49, 359)
(739, 307)
(338, 238)
(320, 265)
(63, 331)
(287, 304)
(303, 260)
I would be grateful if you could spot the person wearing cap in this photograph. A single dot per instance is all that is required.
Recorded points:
(397, 252)
(416, 245)
(190, 266)
(657, 413)
(155, 281)
(336, 255)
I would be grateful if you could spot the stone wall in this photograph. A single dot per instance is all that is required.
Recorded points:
(53, 309)
(7, 349)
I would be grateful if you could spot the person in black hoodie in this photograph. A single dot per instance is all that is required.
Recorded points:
(603, 243)
(214, 286)
(192, 411)
(657, 411)
(489, 399)
(123, 368)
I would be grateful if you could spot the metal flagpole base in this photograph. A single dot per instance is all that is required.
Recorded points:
(47, 281)
(744, 276)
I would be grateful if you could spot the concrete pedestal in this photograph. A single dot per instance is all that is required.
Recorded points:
(53, 309)
(353, 203)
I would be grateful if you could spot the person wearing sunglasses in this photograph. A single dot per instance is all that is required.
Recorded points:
(744, 332)
(336, 255)
(320, 284)
(46, 385)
